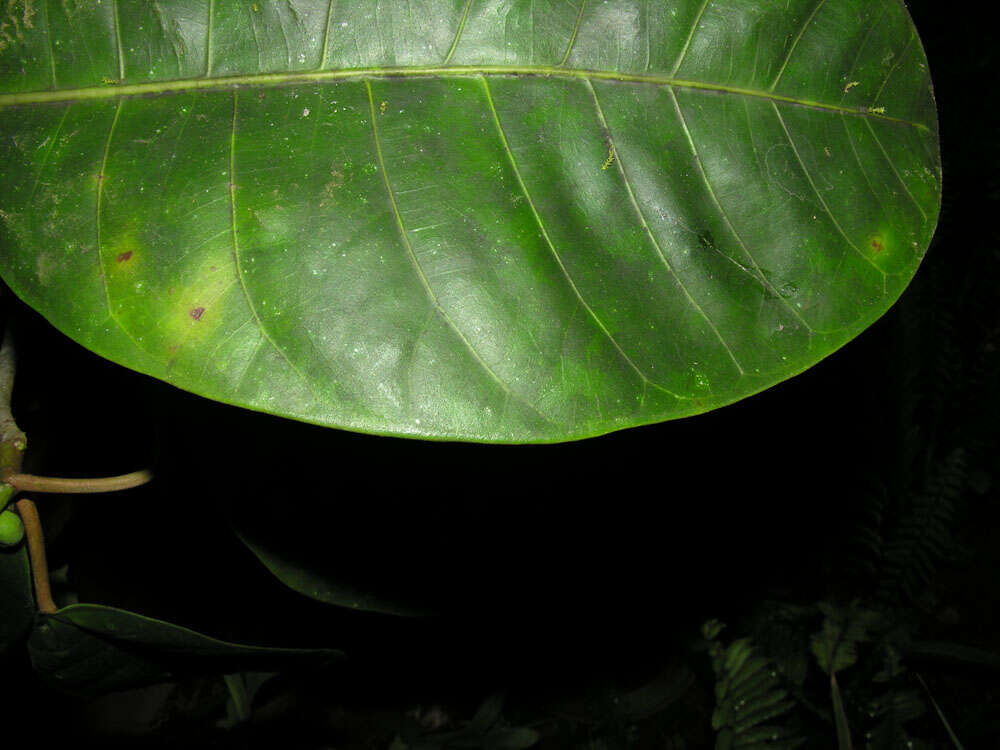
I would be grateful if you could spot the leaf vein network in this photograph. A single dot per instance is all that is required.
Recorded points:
(548, 240)
(267, 80)
(819, 196)
(795, 44)
(458, 33)
(101, 177)
(652, 238)
(760, 277)
(425, 283)
(236, 257)
(572, 37)
(687, 42)
(895, 171)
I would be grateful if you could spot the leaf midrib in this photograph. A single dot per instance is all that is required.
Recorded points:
(112, 91)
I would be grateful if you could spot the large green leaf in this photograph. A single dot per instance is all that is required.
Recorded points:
(492, 220)
(87, 648)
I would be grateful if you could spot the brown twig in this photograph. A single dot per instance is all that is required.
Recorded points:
(12, 445)
(36, 553)
(12, 440)
(63, 485)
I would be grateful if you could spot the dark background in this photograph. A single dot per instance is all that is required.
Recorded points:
(552, 568)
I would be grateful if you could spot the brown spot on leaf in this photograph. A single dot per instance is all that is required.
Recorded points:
(330, 189)
(124, 256)
(877, 245)
(197, 312)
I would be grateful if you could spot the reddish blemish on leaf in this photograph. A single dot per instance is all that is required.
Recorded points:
(197, 312)
(124, 256)
(877, 245)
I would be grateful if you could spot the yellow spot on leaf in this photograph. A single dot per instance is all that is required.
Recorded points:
(194, 311)
(381, 107)
(611, 156)
(851, 85)
(121, 256)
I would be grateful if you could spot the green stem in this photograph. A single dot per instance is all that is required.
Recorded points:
(63, 485)
(951, 734)
(840, 716)
(36, 554)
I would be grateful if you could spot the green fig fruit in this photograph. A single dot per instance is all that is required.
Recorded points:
(11, 529)
(6, 493)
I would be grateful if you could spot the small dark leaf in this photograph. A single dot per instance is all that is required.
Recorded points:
(655, 696)
(91, 649)
(513, 738)
(316, 577)
(487, 714)
(17, 599)
(835, 646)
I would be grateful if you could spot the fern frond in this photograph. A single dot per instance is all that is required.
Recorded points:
(892, 711)
(781, 632)
(749, 695)
(861, 554)
(923, 535)
(835, 646)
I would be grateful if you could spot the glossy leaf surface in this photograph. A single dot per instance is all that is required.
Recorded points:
(88, 648)
(465, 219)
